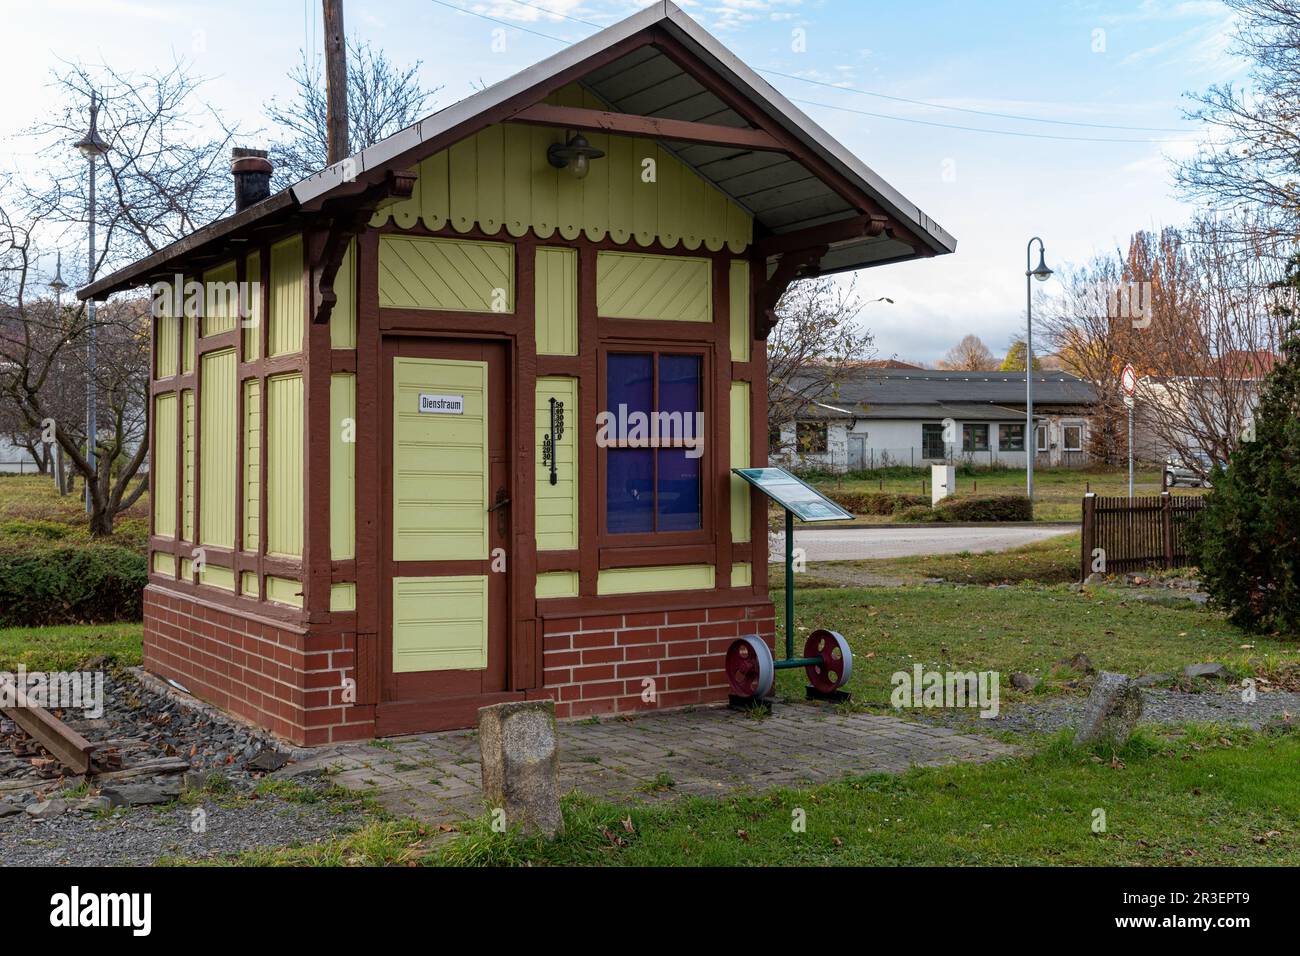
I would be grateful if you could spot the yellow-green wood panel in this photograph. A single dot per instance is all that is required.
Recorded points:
(252, 484)
(343, 320)
(686, 577)
(500, 177)
(219, 427)
(741, 503)
(557, 504)
(284, 591)
(742, 575)
(287, 309)
(223, 578)
(167, 329)
(284, 465)
(634, 286)
(440, 462)
(220, 299)
(455, 275)
(557, 584)
(164, 563)
(557, 301)
(187, 453)
(253, 325)
(738, 301)
(248, 584)
(440, 623)
(188, 327)
(187, 569)
(163, 465)
(343, 450)
(343, 596)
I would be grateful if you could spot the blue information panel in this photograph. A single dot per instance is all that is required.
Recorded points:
(800, 499)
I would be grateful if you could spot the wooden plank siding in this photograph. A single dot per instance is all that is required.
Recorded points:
(1136, 534)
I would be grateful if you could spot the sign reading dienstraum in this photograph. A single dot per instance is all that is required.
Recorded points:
(441, 404)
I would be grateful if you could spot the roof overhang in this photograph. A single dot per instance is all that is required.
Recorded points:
(817, 208)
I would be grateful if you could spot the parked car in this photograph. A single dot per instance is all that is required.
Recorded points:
(1193, 474)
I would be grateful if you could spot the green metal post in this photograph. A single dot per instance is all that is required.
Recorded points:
(789, 583)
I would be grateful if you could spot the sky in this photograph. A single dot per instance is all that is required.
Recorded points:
(1091, 96)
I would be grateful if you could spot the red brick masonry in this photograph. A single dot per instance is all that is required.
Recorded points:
(601, 664)
(274, 674)
(291, 680)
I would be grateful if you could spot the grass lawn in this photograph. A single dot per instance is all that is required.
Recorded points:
(1054, 561)
(1058, 492)
(1021, 628)
(33, 512)
(1209, 796)
(66, 647)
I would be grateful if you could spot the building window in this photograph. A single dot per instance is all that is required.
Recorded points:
(810, 438)
(932, 441)
(1011, 437)
(975, 438)
(1041, 433)
(1072, 437)
(652, 472)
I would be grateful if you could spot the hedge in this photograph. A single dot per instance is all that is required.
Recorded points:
(875, 502)
(974, 508)
(61, 584)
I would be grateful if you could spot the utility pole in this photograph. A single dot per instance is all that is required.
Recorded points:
(336, 82)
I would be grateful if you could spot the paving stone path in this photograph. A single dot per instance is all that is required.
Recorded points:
(705, 752)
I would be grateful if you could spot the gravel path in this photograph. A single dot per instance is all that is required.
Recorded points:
(1159, 706)
(141, 836)
(901, 541)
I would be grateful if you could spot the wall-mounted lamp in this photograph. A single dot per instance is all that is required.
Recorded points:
(575, 155)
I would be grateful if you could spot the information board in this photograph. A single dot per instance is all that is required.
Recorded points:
(802, 500)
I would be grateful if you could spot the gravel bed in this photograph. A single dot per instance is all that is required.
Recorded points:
(143, 722)
(1159, 706)
(140, 836)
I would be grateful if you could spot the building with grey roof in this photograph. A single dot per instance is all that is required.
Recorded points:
(875, 417)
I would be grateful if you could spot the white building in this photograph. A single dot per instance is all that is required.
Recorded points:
(877, 417)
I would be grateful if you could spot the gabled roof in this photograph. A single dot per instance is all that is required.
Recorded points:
(906, 393)
(666, 78)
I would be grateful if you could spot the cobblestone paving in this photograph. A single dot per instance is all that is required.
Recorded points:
(706, 751)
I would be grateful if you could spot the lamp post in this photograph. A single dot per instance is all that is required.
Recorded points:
(1042, 274)
(57, 285)
(92, 146)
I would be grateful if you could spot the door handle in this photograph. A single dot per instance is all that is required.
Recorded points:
(499, 506)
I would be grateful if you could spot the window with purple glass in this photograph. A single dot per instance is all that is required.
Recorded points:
(652, 464)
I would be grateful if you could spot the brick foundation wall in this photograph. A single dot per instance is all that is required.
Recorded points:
(269, 672)
(598, 664)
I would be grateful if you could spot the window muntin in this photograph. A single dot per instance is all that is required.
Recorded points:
(1011, 437)
(1072, 437)
(932, 444)
(975, 438)
(653, 479)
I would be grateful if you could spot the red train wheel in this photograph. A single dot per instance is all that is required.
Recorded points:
(836, 660)
(749, 667)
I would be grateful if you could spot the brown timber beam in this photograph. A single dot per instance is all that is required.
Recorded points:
(770, 289)
(629, 124)
(842, 230)
(72, 749)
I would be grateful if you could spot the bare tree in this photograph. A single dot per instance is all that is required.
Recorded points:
(166, 174)
(814, 341)
(1250, 158)
(382, 99)
(1196, 311)
(969, 355)
(43, 376)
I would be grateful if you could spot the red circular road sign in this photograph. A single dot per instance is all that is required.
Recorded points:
(1128, 379)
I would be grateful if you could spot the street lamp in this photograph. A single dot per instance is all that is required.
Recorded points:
(92, 146)
(1042, 274)
(57, 286)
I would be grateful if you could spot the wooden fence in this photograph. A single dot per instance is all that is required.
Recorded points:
(1136, 534)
